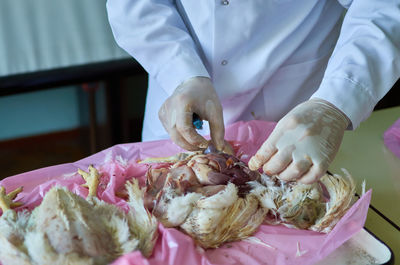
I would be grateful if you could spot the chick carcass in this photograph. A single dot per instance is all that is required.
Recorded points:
(318, 206)
(67, 229)
(206, 195)
(216, 198)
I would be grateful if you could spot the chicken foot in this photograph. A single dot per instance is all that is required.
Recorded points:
(92, 179)
(6, 200)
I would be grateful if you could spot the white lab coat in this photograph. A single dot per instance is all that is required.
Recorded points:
(264, 56)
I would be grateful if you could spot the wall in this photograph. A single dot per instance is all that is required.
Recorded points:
(66, 108)
(39, 112)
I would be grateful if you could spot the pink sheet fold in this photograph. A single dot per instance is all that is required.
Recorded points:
(391, 138)
(117, 164)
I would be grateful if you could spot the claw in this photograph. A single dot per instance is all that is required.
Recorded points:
(16, 204)
(12, 195)
(6, 200)
(92, 180)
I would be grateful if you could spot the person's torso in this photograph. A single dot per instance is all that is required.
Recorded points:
(264, 56)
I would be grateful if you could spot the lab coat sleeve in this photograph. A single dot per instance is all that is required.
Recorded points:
(366, 60)
(153, 32)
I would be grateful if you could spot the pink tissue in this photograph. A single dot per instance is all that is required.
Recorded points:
(118, 163)
(391, 138)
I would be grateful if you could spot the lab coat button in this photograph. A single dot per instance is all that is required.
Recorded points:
(224, 62)
(225, 2)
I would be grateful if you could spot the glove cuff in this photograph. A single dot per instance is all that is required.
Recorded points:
(335, 111)
(194, 81)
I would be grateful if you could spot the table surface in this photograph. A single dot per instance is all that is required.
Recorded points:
(366, 157)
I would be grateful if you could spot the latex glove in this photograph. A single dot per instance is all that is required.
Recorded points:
(303, 143)
(196, 95)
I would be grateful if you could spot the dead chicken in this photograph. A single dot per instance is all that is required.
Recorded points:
(216, 198)
(67, 229)
(318, 206)
(205, 195)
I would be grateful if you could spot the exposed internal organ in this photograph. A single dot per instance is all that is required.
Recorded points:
(216, 198)
(207, 196)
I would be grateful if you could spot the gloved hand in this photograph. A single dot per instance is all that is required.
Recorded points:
(303, 143)
(196, 95)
